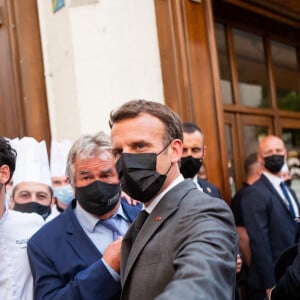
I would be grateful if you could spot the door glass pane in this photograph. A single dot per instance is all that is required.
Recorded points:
(230, 159)
(252, 135)
(286, 74)
(291, 138)
(224, 64)
(252, 71)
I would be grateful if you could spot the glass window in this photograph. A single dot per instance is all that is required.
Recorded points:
(252, 69)
(286, 74)
(224, 64)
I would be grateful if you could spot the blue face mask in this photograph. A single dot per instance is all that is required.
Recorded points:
(64, 194)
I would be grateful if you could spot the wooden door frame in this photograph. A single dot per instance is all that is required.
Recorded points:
(190, 73)
(31, 115)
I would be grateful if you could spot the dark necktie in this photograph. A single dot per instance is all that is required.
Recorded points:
(139, 221)
(287, 197)
(113, 225)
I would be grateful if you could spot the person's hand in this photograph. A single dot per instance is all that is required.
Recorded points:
(239, 263)
(112, 254)
(129, 199)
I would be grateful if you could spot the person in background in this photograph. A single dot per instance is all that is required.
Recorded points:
(15, 230)
(286, 175)
(193, 154)
(253, 170)
(77, 254)
(269, 210)
(32, 187)
(63, 191)
(183, 245)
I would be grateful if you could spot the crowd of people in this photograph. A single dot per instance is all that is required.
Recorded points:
(127, 216)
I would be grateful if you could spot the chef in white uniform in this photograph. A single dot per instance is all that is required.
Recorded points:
(63, 191)
(32, 189)
(15, 229)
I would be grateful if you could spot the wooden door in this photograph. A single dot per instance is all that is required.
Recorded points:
(23, 101)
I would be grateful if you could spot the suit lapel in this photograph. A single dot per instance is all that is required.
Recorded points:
(167, 206)
(275, 193)
(78, 239)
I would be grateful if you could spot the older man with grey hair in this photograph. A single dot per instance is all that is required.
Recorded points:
(86, 234)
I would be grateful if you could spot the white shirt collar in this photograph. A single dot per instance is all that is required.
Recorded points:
(195, 179)
(275, 180)
(156, 200)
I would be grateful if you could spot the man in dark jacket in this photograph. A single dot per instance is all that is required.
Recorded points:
(193, 155)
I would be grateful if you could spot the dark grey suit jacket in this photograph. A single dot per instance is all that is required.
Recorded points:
(186, 249)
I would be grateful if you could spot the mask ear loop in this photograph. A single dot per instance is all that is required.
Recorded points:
(163, 151)
(164, 148)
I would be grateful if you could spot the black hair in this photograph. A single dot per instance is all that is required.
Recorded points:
(8, 156)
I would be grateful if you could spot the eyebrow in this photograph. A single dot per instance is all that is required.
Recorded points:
(106, 171)
(84, 172)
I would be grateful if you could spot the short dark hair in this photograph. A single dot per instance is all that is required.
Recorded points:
(250, 160)
(8, 156)
(133, 108)
(188, 127)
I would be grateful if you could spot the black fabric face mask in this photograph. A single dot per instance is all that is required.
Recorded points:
(138, 176)
(99, 197)
(288, 182)
(274, 163)
(190, 166)
(33, 207)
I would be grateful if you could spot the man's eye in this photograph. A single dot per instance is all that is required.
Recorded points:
(24, 195)
(140, 146)
(107, 175)
(197, 150)
(117, 152)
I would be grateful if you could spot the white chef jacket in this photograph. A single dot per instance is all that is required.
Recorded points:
(16, 228)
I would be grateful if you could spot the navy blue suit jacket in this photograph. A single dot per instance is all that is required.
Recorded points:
(270, 228)
(66, 264)
(209, 188)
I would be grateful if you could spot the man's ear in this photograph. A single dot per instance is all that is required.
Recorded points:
(177, 146)
(4, 174)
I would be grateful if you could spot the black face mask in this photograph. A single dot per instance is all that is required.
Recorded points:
(138, 176)
(190, 166)
(288, 182)
(274, 163)
(99, 197)
(33, 207)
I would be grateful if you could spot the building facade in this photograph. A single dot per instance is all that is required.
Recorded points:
(231, 66)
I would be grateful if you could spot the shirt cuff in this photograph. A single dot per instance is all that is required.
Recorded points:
(112, 272)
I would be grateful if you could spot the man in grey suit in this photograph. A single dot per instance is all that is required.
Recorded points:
(187, 246)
